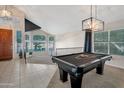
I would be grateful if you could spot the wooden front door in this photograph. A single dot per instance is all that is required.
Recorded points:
(5, 44)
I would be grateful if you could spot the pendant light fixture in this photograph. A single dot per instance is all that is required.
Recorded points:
(8, 17)
(5, 13)
(92, 23)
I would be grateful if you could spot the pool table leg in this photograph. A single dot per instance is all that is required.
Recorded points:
(76, 81)
(63, 75)
(100, 68)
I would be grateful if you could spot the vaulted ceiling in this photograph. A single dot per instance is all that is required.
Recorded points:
(64, 18)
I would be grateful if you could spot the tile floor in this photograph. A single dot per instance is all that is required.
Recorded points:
(112, 78)
(42, 73)
(17, 74)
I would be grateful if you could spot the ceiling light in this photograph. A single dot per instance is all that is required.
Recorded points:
(92, 23)
(5, 13)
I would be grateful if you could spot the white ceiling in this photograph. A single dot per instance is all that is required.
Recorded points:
(60, 19)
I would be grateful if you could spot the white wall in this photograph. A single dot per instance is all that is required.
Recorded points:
(74, 41)
(115, 25)
(117, 61)
(70, 39)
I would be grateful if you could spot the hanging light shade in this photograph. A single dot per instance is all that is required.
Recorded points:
(7, 17)
(5, 13)
(92, 23)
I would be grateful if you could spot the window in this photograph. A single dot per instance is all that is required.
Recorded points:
(39, 46)
(18, 37)
(101, 47)
(111, 42)
(51, 44)
(51, 38)
(39, 38)
(101, 42)
(28, 47)
(26, 37)
(39, 43)
(117, 42)
(19, 40)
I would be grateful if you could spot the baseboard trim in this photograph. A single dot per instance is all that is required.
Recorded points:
(115, 66)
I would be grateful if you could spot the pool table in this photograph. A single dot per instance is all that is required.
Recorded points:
(78, 64)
